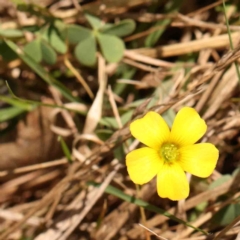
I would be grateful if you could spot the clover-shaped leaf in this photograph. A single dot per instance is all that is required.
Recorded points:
(111, 46)
(34, 50)
(6, 52)
(74, 33)
(56, 41)
(95, 22)
(48, 54)
(120, 29)
(11, 33)
(85, 51)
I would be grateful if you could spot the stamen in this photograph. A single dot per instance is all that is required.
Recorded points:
(169, 152)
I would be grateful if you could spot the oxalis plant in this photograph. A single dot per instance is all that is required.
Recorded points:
(104, 37)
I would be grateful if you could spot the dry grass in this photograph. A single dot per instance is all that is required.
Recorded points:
(49, 199)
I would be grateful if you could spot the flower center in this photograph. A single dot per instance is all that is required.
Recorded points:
(169, 152)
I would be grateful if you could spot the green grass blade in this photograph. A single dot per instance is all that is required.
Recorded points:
(18, 104)
(29, 105)
(65, 149)
(118, 193)
(38, 69)
(9, 113)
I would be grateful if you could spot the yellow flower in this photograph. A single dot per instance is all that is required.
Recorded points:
(169, 153)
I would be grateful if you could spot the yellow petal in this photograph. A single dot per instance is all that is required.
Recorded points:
(143, 164)
(172, 182)
(151, 130)
(199, 159)
(188, 127)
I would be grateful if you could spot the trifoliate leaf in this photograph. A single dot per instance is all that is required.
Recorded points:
(34, 50)
(56, 41)
(112, 47)
(85, 51)
(74, 33)
(95, 22)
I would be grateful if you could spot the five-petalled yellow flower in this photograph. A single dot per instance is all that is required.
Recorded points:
(169, 154)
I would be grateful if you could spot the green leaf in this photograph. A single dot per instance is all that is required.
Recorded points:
(226, 215)
(104, 134)
(65, 149)
(85, 51)
(74, 33)
(11, 33)
(119, 153)
(6, 52)
(60, 26)
(220, 181)
(17, 2)
(170, 7)
(131, 199)
(29, 105)
(48, 54)
(9, 113)
(56, 41)
(236, 172)
(34, 50)
(153, 37)
(201, 206)
(109, 122)
(18, 104)
(95, 22)
(38, 69)
(112, 47)
(120, 29)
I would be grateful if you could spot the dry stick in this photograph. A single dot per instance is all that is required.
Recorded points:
(225, 87)
(77, 5)
(95, 112)
(16, 216)
(65, 114)
(226, 60)
(152, 232)
(52, 209)
(123, 212)
(204, 9)
(238, 236)
(43, 203)
(146, 59)
(222, 233)
(198, 23)
(213, 83)
(114, 107)
(142, 214)
(35, 167)
(141, 66)
(99, 193)
(182, 21)
(207, 93)
(65, 219)
(79, 78)
(217, 42)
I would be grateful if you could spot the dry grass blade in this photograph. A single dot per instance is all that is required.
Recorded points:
(218, 42)
(95, 112)
(152, 56)
(75, 213)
